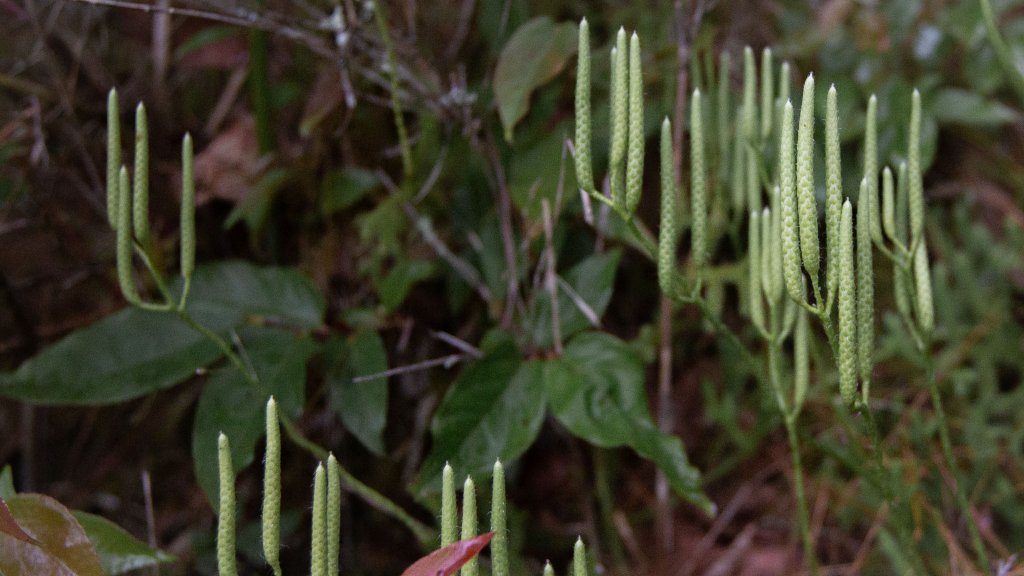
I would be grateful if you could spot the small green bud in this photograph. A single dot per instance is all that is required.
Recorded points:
(584, 166)
(272, 490)
(847, 360)
(579, 558)
(548, 570)
(226, 517)
(698, 187)
(806, 205)
(499, 544)
(787, 204)
(635, 159)
(833, 192)
(667, 232)
(113, 156)
(448, 507)
(318, 547)
(140, 202)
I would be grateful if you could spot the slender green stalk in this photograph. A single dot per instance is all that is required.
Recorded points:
(584, 166)
(807, 209)
(667, 231)
(767, 94)
(865, 292)
(698, 184)
(259, 90)
(915, 187)
(140, 200)
(499, 544)
(947, 453)
(113, 157)
(333, 515)
(448, 507)
(787, 205)
(226, 517)
(318, 547)
(871, 164)
(722, 119)
(750, 131)
(635, 145)
(847, 360)
(188, 217)
(396, 102)
(619, 111)
(1004, 54)
(124, 240)
(754, 260)
(833, 196)
(790, 416)
(271, 516)
(469, 524)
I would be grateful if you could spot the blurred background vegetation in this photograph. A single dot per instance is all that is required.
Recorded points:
(429, 249)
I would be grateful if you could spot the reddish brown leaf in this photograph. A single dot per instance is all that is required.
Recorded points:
(9, 526)
(60, 546)
(448, 560)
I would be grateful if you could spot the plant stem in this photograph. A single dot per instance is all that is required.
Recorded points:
(422, 532)
(789, 417)
(947, 452)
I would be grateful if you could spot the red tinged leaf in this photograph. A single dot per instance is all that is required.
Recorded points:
(10, 526)
(448, 560)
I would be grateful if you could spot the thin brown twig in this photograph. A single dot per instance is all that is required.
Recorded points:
(249, 20)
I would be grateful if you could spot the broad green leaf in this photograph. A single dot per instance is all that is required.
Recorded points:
(536, 52)
(123, 356)
(227, 294)
(231, 404)
(591, 282)
(958, 106)
(61, 548)
(134, 352)
(119, 551)
(596, 390)
(344, 187)
(493, 410)
(394, 287)
(362, 406)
